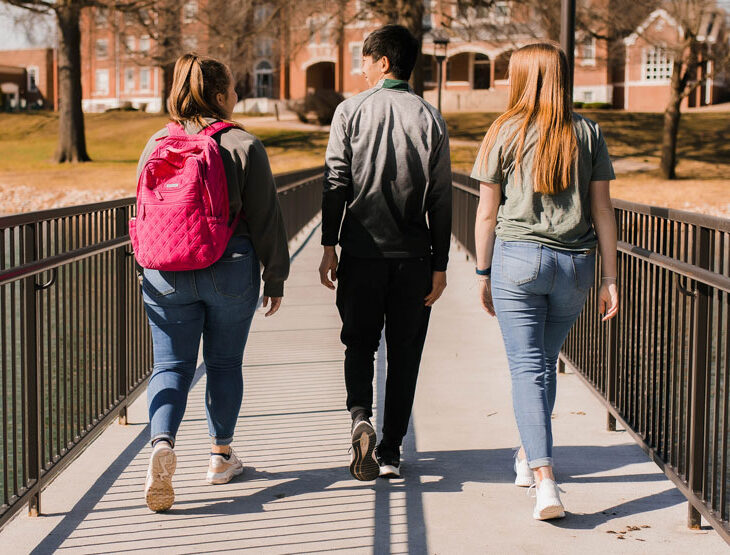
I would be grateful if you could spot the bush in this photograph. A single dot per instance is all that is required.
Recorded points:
(125, 107)
(321, 103)
(597, 105)
(577, 104)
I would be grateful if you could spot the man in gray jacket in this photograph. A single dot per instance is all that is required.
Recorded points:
(388, 170)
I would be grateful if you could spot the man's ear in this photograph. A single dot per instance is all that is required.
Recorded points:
(385, 66)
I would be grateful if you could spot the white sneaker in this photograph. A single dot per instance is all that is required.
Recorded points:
(524, 476)
(221, 470)
(547, 503)
(158, 492)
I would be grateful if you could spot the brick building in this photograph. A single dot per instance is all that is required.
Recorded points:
(631, 74)
(27, 76)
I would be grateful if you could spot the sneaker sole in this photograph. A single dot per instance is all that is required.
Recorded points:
(363, 465)
(160, 496)
(388, 472)
(524, 482)
(550, 512)
(223, 477)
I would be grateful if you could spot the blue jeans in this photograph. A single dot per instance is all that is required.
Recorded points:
(217, 303)
(538, 294)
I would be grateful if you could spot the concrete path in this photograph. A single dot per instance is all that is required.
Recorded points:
(296, 495)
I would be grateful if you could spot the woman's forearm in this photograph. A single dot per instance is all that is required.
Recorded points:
(484, 241)
(604, 222)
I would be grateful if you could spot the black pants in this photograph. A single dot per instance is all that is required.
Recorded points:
(373, 291)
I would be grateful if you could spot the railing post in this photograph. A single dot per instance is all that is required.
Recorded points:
(30, 375)
(611, 371)
(121, 296)
(612, 347)
(698, 390)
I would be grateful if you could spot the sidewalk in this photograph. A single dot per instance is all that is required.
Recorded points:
(296, 495)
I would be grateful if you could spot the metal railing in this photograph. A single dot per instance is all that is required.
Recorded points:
(75, 348)
(662, 368)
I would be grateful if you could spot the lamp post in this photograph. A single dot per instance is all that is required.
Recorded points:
(567, 37)
(440, 45)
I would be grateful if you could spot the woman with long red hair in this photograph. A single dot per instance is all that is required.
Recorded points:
(544, 207)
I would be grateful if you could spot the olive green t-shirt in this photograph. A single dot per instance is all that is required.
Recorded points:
(561, 221)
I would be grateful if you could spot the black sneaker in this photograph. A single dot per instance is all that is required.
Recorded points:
(388, 458)
(363, 465)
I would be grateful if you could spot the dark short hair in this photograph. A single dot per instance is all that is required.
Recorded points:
(396, 43)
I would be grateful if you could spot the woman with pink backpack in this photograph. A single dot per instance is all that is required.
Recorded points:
(207, 215)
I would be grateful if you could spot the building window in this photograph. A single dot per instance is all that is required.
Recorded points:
(129, 79)
(129, 42)
(657, 64)
(190, 43)
(144, 79)
(144, 44)
(502, 12)
(482, 72)
(319, 32)
(101, 82)
(102, 49)
(429, 68)
(101, 16)
(190, 11)
(587, 96)
(261, 14)
(264, 78)
(130, 18)
(356, 57)
(587, 52)
(265, 48)
(32, 78)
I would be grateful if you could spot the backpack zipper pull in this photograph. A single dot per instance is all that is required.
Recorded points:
(158, 194)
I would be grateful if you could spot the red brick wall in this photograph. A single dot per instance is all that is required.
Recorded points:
(42, 58)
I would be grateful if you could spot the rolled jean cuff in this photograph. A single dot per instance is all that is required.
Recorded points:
(165, 436)
(221, 441)
(537, 463)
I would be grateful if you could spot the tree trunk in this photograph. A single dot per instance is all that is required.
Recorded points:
(671, 125)
(166, 72)
(71, 138)
(413, 20)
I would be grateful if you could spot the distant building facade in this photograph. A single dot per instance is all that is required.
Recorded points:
(630, 74)
(27, 78)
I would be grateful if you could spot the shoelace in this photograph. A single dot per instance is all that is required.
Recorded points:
(534, 487)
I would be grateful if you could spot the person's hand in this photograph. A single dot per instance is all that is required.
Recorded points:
(437, 287)
(328, 264)
(275, 305)
(485, 296)
(608, 300)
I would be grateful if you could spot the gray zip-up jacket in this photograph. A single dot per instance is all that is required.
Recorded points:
(388, 168)
(251, 186)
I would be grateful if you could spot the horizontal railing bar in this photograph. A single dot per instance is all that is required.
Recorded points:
(27, 218)
(677, 266)
(682, 216)
(40, 266)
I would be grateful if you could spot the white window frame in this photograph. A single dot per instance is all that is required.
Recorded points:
(145, 71)
(267, 52)
(98, 90)
(131, 43)
(97, 44)
(502, 12)
(656, 65)
(190, 11)
(190, 43)
(261, 13)
(35, 72)
(128, 83)
(588, 44)
(144, 43)
(355, 49)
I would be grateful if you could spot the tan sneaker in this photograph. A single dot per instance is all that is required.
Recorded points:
(158, 491)
(221, 470)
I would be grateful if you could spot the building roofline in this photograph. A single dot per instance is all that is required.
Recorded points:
(661, 12)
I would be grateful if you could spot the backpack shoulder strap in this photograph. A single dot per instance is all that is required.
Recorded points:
(213, 128)
(175, 129)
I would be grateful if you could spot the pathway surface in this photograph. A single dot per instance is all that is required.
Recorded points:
(296, 496)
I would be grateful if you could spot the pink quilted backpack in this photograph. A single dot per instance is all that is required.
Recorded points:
(182, 203)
